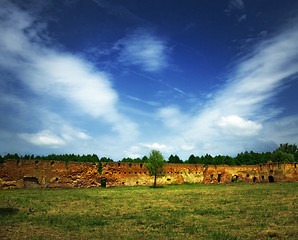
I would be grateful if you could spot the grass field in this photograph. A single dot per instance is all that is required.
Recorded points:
(195, 211)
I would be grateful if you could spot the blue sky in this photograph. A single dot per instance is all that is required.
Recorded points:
(119, 78)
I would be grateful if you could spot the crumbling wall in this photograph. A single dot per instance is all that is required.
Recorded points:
(56, 174)
(48, 174)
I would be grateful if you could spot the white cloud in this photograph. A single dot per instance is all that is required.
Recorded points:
(172, 117)
(56, 92)
(236, 125)
(240, 112)
(43, 138)
(50, 73)
(155, 146)
(142, 48)
(74, 80)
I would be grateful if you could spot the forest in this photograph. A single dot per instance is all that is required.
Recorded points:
(284, 153)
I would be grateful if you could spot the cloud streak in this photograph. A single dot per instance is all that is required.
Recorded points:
(53, 76)
(143, 49)
(240, 110)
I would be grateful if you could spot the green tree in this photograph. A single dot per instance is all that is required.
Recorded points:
(144, 159)
(174, 159)
(155, 165)
(191, 159)
(285, 153)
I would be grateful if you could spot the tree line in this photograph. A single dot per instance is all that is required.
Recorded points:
(284, 153)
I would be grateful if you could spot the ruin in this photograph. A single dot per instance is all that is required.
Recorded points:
(57, 174)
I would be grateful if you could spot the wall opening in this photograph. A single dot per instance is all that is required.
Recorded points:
(219, 177)
(247, 175)
(103, 182)
(235, 178)
(129, 165)
(262, 177)
(254, 179)
(141, 165)
(31, 182)
(271, 179)
(211, 177)
(118, 164)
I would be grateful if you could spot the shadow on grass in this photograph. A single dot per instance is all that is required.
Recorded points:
(8, 211)
(157, 187)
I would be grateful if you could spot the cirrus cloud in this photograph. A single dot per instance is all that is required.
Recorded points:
(144, 49)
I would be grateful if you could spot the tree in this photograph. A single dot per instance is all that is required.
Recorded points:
(191, 159)
(174, 159)
(285, 153)
(155, 165)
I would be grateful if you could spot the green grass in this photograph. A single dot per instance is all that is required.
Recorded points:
(192, 211)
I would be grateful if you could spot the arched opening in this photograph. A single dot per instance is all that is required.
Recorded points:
(31, 182)
(235, 178)
(103, 182)
(254, 179)
(271, 179)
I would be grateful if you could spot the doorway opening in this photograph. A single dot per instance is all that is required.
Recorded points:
(103, 182)
(219, 177)
(271, 179)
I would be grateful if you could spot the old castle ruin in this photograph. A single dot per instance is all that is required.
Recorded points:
(57, 174)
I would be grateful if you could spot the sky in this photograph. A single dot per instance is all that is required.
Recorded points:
(119, 78)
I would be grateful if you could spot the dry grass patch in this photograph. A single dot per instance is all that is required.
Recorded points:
(195, 211)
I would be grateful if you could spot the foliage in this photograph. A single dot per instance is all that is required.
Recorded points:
(135, 160)
(174, 159)
(155, 165)
(103, 159)
(284, 153)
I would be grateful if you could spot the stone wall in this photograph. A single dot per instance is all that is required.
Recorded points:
(56, 174)
(48, 174)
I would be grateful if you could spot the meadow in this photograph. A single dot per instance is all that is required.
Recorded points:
(188, 211)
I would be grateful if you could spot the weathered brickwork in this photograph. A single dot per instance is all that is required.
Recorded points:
(56, 174)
